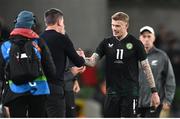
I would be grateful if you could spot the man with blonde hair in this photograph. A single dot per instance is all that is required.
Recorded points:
(123, 52)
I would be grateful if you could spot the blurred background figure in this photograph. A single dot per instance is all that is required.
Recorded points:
(4, 31)
(71, 87)
(163, 75)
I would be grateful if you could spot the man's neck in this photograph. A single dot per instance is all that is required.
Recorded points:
(53, 27)
(149, 50)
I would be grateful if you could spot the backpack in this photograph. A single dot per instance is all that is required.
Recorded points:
(23, 65)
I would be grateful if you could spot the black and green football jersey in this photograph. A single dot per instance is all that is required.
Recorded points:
(121, 61)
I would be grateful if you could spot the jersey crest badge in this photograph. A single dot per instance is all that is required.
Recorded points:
(110, 45)
(129, 46)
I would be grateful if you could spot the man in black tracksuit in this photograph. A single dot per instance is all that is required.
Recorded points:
(61, 47)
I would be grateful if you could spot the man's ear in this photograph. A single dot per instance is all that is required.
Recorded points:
(140, 37)
(59, 22)
(154, 38)
(127, 25)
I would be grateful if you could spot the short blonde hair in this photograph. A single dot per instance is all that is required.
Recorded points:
(120, 16)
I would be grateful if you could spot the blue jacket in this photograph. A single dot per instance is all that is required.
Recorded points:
(39, 86)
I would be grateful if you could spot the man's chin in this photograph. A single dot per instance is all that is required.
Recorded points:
(115, 35)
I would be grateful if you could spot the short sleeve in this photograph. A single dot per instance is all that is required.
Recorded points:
(141, 53)
(100, 50)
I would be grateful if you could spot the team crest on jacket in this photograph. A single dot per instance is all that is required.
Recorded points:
(154, 62)
(129, 46)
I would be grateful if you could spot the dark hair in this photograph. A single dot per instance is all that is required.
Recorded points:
(52, 15)
(120, 16)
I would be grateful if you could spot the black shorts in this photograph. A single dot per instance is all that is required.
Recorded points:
(120, 106)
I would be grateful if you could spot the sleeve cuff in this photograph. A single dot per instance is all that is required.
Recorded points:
(75, 78)
(166, 101)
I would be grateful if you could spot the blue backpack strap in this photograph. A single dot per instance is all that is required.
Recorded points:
(36, 50)
(5, 49)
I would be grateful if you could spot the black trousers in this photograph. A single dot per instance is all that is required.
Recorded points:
(55, 106)
(27, 106)
(149, 112)
(120, 106)
(70, 104)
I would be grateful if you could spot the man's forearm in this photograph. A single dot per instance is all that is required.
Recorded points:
(149, 76)
(92, 61)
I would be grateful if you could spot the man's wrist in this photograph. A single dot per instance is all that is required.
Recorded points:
(75, 78)
(153, 90)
